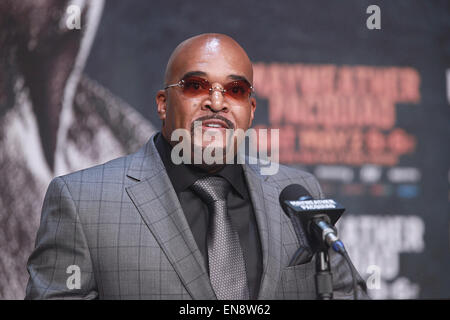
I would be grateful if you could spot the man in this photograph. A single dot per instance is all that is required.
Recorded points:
(143, 227)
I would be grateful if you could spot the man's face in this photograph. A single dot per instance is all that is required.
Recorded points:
(220, 64)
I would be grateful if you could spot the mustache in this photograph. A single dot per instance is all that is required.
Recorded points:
(218, 117)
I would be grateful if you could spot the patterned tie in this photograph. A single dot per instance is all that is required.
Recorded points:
(226, 260)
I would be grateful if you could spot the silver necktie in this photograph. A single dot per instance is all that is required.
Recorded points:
(226, 260)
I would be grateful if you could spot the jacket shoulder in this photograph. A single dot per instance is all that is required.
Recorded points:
(112, 170)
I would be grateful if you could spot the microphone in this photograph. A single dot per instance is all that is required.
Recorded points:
(317, 217)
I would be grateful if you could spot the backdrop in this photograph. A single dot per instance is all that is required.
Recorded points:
(361, 100)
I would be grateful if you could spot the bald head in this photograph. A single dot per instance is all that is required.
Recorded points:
(208, 49)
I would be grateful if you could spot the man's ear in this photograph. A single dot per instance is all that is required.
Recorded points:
(161, 103)
(252, 111)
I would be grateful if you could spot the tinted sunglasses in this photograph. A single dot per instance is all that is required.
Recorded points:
(193, 86)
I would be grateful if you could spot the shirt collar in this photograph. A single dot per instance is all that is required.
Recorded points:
(183, 176)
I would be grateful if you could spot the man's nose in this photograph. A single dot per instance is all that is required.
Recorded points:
(216, 101)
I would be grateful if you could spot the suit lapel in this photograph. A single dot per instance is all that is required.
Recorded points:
(158, 204)
(264, 197)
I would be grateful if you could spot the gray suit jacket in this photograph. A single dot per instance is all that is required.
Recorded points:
(122, 225)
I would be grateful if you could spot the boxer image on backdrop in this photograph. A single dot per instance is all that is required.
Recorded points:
(54, 119)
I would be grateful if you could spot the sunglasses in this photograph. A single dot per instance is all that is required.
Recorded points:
(193, 86)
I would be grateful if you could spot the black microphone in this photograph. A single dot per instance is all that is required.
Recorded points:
(316, 217)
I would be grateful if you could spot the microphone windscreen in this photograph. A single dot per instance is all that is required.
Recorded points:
(293, 192)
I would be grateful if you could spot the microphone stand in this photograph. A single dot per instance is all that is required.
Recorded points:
(323, 277)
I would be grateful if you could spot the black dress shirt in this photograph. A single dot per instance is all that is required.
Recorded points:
(239, 205)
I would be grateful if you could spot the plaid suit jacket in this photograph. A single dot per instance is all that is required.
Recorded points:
(121, 225)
